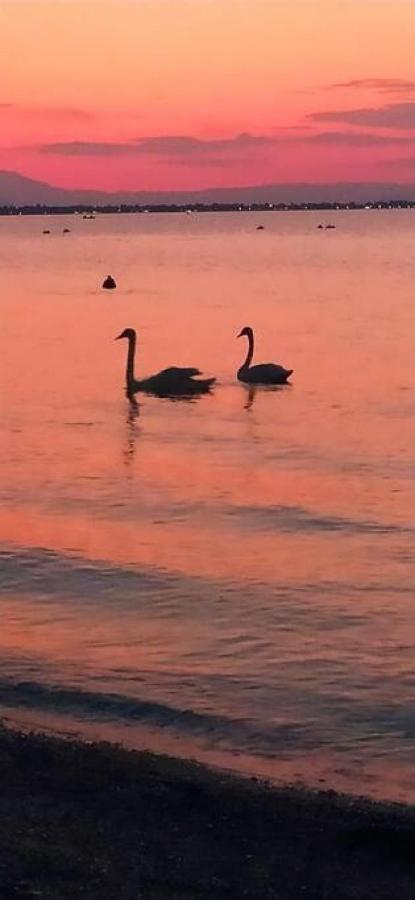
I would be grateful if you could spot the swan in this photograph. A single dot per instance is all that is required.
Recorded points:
(267, 373)
(169, 382)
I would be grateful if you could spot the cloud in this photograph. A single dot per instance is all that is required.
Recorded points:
(400, 161)
(393, 115)
(217, 162)
(383, 85)
(281, 129)
(85, 148)
(355, 139)
(164, 145)
(171, 145)
(189, 150)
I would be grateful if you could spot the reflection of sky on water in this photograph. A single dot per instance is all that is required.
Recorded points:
(237, 569)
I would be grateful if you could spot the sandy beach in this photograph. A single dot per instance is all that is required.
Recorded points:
(97, 821)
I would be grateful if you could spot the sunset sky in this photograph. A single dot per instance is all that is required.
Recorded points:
(159, 94)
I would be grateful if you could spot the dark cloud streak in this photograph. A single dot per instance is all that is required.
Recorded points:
(167, 145)
(399, 161)
(187, 149)
(85, 148)
(393, 115)
(355, 139)
(383, 85)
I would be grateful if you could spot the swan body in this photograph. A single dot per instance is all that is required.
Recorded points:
(265, 373)
(171, 382)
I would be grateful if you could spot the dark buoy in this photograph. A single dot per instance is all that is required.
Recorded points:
(109, 283)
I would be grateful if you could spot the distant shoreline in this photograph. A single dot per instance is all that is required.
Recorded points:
(80, 209)
(94, 819)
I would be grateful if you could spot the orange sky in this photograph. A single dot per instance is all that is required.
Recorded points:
(151, 94)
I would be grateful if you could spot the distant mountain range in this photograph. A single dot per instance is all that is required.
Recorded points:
(17, 190)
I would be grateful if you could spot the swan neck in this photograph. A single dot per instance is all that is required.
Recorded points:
(130, 361)
(250, 353)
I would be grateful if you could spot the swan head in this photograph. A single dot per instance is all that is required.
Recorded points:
(245, 331)
(128, 333)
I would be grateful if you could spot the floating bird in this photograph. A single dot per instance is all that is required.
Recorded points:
(109, 283)
(260, 228)
(66, 231)
(266, 373)
(46, 231)
(172, 382)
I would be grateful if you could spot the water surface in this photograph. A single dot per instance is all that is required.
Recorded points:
(230, 578)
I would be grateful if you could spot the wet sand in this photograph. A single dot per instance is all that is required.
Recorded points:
(97, 821)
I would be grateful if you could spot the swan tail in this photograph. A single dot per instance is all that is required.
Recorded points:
(206, 381)
(189, 373)
(201, 385)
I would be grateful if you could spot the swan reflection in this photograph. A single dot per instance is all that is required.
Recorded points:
(250, 397)
(251, 391)
(132, 416)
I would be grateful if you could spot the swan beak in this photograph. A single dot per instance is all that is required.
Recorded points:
(239, 335)
(118, 337)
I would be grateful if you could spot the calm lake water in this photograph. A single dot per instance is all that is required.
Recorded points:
(230, 578)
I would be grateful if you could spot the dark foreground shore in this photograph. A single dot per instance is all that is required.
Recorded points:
(94, 821)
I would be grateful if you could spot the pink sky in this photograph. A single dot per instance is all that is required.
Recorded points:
(150, 94)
